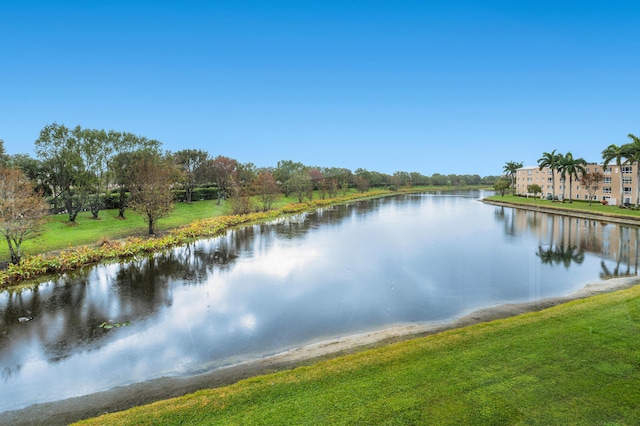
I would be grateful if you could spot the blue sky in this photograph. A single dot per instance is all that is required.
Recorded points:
(435, 87)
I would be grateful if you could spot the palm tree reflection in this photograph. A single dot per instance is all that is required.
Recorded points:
(554, 255)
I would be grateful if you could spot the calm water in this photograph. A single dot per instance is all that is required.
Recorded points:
(267, 288)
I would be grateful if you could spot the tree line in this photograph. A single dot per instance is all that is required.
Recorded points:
(79, 169)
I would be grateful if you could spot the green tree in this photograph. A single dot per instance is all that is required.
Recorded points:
(534, 189)
(22, 210)
(550, 160)
(592, 182)
(58, 148)
(501, 186)
(300, 184)
(191, 164)
(341, 176)
(266, 189)
(150, 181)
(34, 170)
(223, 171)
(283, 172)
(570, 167)
(617, 153)
(510, 169)
(632, 154)
(4, 158)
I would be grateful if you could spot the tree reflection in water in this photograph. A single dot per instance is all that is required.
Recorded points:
(566, 240)
(554, 255)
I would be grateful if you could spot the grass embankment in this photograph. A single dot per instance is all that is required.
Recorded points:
(577, 363)
(576, 205)
(89, 241)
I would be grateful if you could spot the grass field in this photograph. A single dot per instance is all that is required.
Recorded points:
(595, 207)
(577, 364)
(60, 234)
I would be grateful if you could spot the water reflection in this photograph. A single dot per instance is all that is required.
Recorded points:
(565, 240)
(266, 288)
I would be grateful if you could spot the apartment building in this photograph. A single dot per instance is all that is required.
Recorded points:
(618, 186)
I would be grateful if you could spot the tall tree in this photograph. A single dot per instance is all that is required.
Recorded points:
(550, 160)
(150, 180)
(632, 154)
(4, 158)
(617, 153)
(510, 169)
(266, 189)
(283, 172)
(22, 210)
(191, 164)
(592, 182)
(95, 149)
(58, 148)
(222, 171)
(340, 176)
(570, 167)
(300, 184)
(34, 170)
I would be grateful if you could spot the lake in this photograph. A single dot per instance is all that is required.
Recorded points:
(263, 289)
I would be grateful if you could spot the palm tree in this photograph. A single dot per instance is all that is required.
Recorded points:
(570, 166)
(510, 169)
(550, 160)
(632, 154)
(615, 152)
(562, 172)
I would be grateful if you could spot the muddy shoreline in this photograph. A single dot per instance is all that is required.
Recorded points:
(121, 398)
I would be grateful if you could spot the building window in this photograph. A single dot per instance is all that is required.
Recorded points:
(607, 170)
(606, 179)
(627, 169)
(549, 180)
(627, 180)
(529, 172)
(627, 190)
(549, 187)
(577, 196)
(606, 189)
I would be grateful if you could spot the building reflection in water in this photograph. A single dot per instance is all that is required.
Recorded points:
(565, 240)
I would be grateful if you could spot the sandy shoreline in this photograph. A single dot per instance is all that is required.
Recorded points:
(120, 398)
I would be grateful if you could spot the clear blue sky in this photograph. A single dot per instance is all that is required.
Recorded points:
(434, 87)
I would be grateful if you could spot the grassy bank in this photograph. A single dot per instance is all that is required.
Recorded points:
(577, 363)
(60, 234)
(65, 247)
(576, 205)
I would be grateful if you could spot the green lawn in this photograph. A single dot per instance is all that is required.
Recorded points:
(595, 207)
(59, 234)
(577, 363)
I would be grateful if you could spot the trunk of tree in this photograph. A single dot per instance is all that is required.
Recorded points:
(71, 210)
(150, 226)
(13, 251)
(188, 195)
(570, 190)
(637, 183)
(121, 202)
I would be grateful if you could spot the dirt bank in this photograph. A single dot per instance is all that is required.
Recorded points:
(117, 399)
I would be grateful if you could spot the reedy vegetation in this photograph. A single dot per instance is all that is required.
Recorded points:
(75, 257)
